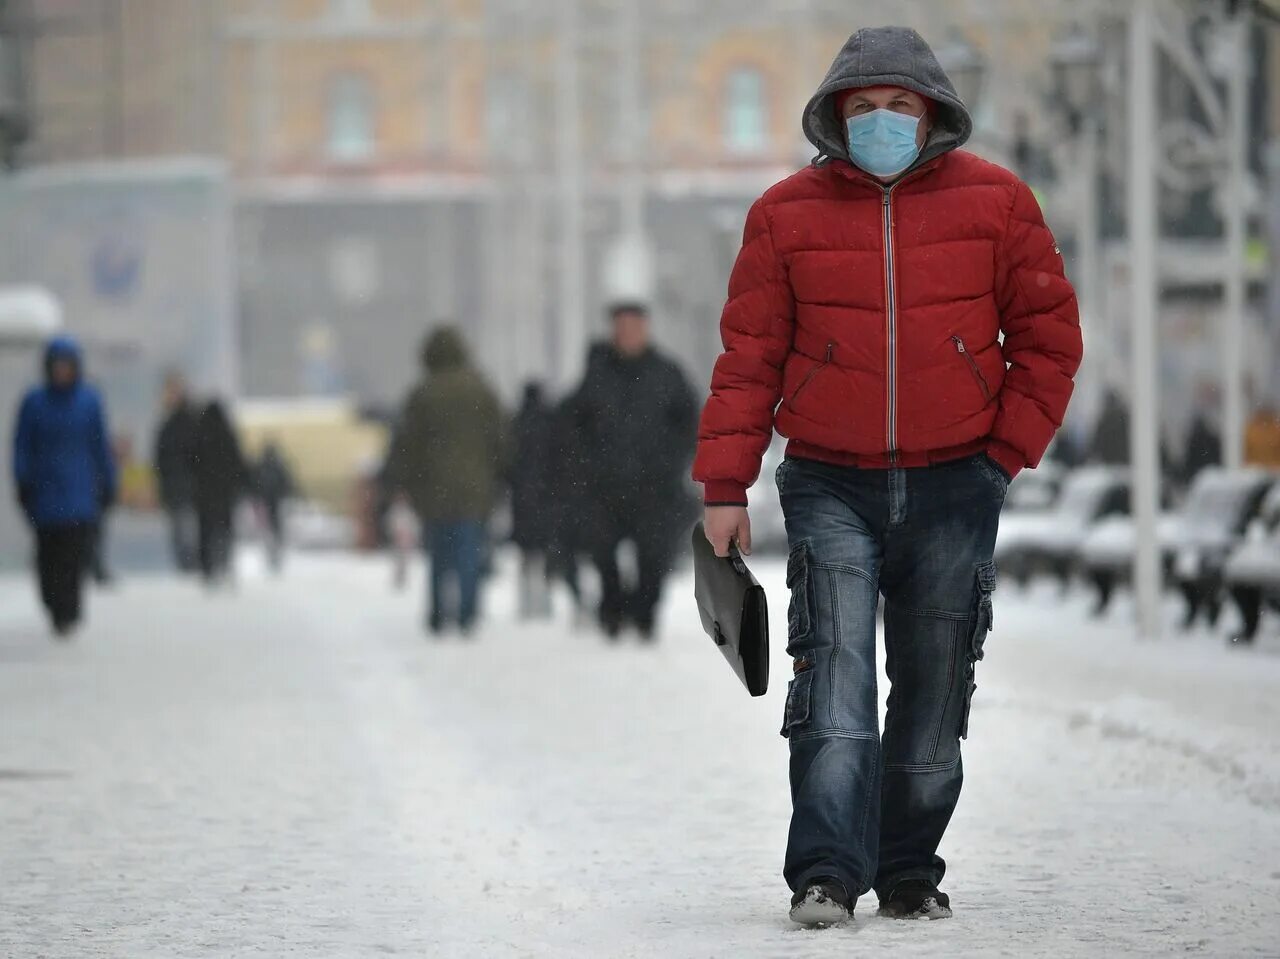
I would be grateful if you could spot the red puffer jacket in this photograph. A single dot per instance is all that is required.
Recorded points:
(865, 323)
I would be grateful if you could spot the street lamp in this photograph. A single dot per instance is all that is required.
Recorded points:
(1076, 62)
(965, 66)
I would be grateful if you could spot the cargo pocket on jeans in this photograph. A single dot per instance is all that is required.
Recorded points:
(984, 587)
(799, 614)
(799, 696)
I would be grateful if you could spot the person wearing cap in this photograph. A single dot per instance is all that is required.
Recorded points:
(65, 477)
(900, 312)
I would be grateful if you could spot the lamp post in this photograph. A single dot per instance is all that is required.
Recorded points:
(1076, 62)
(571, 302)
(965, 66)
(1144, 239)
(1235, 213)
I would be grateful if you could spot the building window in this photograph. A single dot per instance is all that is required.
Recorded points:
(747, 127)
(351, 119)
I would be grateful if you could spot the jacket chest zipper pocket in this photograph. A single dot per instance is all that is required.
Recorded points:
(831, 347)
(973, 368)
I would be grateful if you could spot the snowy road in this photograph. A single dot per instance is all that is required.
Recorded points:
(294, 770)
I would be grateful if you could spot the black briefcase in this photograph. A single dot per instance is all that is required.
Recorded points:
(734, 611)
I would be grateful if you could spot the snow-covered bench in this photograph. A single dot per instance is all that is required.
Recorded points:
(1252, 571)
(1046, 540)
(1194, 541)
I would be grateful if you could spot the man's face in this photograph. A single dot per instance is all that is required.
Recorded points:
(62, 373)
(894, 99)
(631, 333)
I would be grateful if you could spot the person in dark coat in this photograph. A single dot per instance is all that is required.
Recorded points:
(636, 420)
(272, 485)
(65, 477)
(1203, 449)
(174, 481)
(531, 482)
(449, 460)
(566, 505)
(1110, 443)
(220, 477)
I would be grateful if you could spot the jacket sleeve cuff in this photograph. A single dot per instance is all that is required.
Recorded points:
(1006, 457)
(723, 493)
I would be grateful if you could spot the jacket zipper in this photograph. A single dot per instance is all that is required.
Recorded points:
(831, 347)
(891, 321)
(891, 311)
(973, 367)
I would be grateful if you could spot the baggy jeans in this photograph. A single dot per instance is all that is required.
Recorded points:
(871, 810)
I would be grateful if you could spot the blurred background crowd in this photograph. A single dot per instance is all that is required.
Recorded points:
(258, 217)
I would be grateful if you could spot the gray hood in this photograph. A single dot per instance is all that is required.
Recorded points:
(887, 56)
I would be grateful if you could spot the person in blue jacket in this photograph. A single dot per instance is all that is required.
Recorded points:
(65, 476)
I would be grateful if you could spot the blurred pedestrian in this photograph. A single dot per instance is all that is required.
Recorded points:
(1109, 445)
(899, 310)
(220, 480)
(635, 419)
(1204, 444)
(272, 485)
(1262, 438)
(531, 481)
(65, 477)
(175, 481)
(567, 505)
(449, 459)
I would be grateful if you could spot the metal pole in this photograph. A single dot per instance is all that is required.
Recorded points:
(1143, 242)
(1088, 240)
(571, 331)
(630, 119)
(1236, 267)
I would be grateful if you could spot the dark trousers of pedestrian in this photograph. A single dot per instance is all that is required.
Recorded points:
(869, 809)
(215, 526)
(184, 537)
(620, 522)
(62, 561)
(273, 515)
(457, 553)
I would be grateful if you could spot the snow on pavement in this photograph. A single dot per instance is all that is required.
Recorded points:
(294, 770)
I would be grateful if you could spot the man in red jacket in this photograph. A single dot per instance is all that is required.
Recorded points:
(899, 311)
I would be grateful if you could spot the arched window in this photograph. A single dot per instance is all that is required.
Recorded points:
(746, 121)
(351, 119)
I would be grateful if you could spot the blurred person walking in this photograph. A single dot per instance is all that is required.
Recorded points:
(175, 480)
(532, 483)
(566, 506)
(220, 479)
(869, 300)
(448, 461)
(1109, 445)
(272, 485)
(1204, 444)
(635, 419)
(65, 477)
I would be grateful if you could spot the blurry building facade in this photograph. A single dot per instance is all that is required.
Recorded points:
(398, 163)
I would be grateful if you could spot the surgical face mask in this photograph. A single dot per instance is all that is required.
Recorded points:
(883, 142)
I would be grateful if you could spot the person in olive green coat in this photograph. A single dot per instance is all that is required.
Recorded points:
(448, 458)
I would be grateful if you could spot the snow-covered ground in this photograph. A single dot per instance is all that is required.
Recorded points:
(293, 769)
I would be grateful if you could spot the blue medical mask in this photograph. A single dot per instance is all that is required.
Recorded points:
(883, 142)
